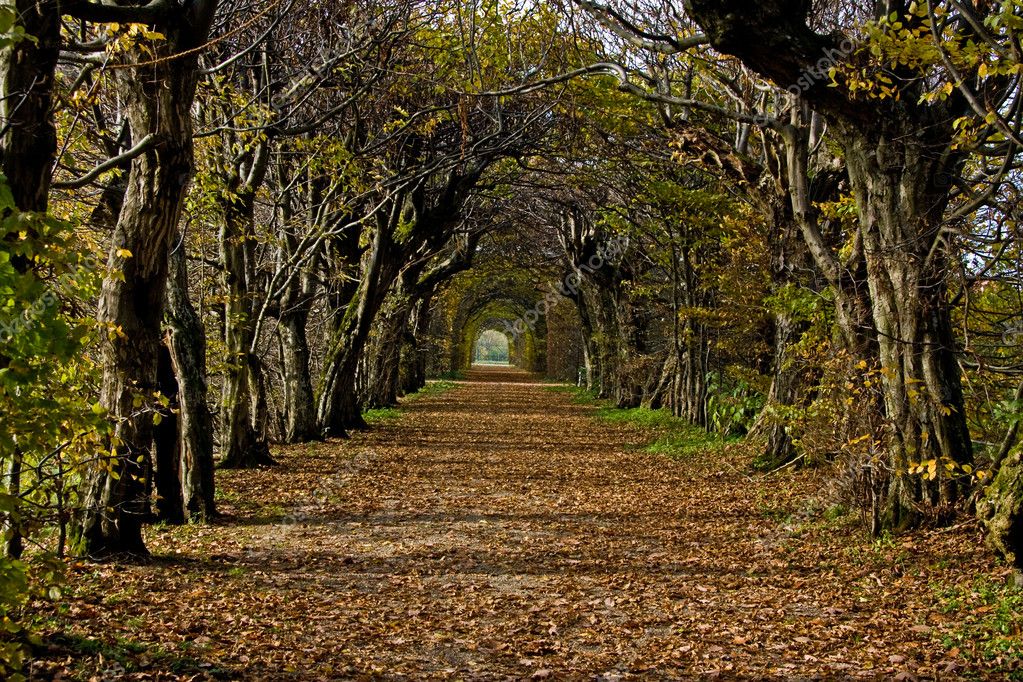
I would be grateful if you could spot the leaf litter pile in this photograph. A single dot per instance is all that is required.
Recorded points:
(498, 531)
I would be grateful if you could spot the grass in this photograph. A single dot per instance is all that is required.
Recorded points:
(670, 436)
(580, 396)
(384, 414)
(434, 387)
(122, 656)
(988, 625)
(381, 414)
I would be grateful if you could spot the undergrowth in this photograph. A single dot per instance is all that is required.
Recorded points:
(988, 625)
(668, 435)
(383, 414)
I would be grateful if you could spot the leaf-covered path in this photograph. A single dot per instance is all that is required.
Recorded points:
(498, 531)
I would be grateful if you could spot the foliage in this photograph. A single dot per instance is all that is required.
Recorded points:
(432, 388)
(369, 113)
(732, 404)
(988, 626)
(51, 428)
(11, 32)
(492, 347)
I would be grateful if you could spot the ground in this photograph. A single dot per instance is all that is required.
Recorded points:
(498, 531)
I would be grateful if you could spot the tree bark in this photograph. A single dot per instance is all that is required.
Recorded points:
(901, 216)
(186, 340)
(299, 400)
(27, 148)
(901, 158)
(591, 352)
(385, 360)
(243, 439)
(27, 73)
(167, 472)
(412, 374)
(432, 220)
(339, 407)
(1001, 509)
(157, 95)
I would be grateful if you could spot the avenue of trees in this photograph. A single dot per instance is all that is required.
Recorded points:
(226, 224)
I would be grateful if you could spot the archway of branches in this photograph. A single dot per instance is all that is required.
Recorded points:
(510, 318)
(492, 347)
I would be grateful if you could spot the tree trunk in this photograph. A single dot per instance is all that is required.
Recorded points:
(261, 422)
(770, 427)
(14, 545)
(901, 211)
(412, 373)
(243, 444)
(661, 393)
(591, 351)
(385, 359)
(157, 97)
(606, 342)
(789, 257)
(901, 157)
(339, 407)
(27, 149)
(1001, 509)
(27, 73)
(186, 339)
(167, 474)
(299, 401)
(692, 393)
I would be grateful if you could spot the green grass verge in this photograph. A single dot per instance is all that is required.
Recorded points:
(988, 625)
(385, 414)
(668, 435)
(381, 414)
(433, 387)
(124, 656)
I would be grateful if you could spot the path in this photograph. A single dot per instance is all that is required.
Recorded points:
(497, 531)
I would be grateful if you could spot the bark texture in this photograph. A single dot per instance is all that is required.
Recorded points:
(157, 96)
(900, 159)
(186, 340)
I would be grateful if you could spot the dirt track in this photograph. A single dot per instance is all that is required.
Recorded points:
(497, 531)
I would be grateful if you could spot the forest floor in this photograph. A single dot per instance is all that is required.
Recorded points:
(498, 530)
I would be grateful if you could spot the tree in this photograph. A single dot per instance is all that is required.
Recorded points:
(901, 154)
(158, 87)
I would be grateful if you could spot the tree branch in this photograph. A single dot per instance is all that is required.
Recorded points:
(144, 145)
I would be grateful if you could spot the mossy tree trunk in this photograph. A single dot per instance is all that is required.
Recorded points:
(157, 95)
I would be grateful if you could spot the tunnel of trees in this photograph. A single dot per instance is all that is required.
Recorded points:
(230, 225)
(492, 347)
